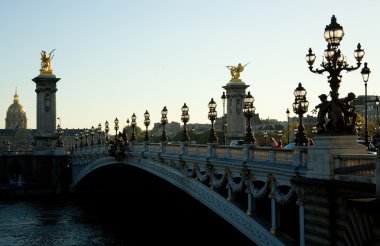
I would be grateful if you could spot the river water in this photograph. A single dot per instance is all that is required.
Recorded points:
(117, 205)
(107, 220)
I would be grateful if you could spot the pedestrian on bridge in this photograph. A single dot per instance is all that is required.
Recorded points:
(273, 142)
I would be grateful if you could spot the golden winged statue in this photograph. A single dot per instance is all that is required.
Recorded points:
(46, 67)
(235, 72)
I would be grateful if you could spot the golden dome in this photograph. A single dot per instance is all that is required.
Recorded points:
(16, 114)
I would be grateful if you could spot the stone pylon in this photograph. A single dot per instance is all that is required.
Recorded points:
(236, 122)
(46, 88)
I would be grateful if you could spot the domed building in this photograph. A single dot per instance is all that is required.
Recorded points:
(17, 138)
(16, 115)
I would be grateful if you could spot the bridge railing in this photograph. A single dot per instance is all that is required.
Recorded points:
(245, 153)
(352, 160)
(351, 167)
(286, 157)
(356, 167)
(197, 150)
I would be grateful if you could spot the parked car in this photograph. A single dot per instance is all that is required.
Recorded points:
(236, 142)
(371, 148)
(290, 146)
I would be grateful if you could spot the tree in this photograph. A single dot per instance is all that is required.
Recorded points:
(139, 133)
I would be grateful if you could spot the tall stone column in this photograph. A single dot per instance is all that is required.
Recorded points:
(46, 88)
(235, 91)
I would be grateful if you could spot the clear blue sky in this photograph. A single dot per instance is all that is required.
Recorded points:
(116, 58)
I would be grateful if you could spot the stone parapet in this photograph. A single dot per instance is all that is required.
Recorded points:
(321, 163)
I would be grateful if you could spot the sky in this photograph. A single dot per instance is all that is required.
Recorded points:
(116, 58)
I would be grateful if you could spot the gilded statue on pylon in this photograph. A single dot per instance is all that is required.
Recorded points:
(235, 72)
(46, 67)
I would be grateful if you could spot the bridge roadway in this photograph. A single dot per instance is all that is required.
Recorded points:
(258, 172)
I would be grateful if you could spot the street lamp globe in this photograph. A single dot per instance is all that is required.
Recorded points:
(185, 113)
(328, 54)
(365, 72)
(299, 93)
(224, 97)
(212, 105)
(146, 114)
(334, 33)
(359, 53)
(310, 57)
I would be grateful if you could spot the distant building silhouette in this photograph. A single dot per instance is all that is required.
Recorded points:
(359, 103)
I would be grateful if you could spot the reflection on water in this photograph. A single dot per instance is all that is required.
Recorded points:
(51, 222)
(107, 220)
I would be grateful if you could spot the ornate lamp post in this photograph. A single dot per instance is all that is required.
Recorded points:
(287, 115)
(358, 126)
(295, 130)
(164, 121)
(365, 73)
(300, 107)
(59, 136)
(86, 137)
(146, 123)
(185, 118)
(76, 140)
(99, 133)
(193, 134)
(334, 63)
(92, 132)
(212, 116)
(81, 139)
(106, 129)
(133, 124)
(125, 131)
(249, 112)
(224, 118)
(265, 138)
(125, 136)
(116, 121)
(279, 134)
(314, 131)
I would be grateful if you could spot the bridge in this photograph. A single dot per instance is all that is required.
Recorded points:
(304, 196)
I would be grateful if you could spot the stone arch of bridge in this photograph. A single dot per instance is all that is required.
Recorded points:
(211, 199)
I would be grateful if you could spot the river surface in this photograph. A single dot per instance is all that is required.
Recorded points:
(108, 220)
